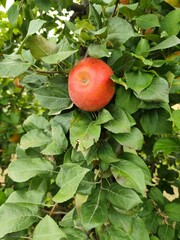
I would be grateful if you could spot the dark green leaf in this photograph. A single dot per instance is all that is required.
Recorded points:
(113, 233)
(106, 154)
(156, 194)
(166, 232)
(75, 234)
(43, 4)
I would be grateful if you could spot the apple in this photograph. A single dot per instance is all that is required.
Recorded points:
(89, 84)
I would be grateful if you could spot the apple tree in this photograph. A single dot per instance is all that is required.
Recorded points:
(75, 174)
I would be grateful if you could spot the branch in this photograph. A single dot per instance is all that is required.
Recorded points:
(115, 9)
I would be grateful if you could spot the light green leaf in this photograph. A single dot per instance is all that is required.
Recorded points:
(104, 116)
(120, 123)
(175, 118)
(119, 30)
(13, 13)
(172, 16)
(54, 98)
(139, 230)
(166, 146)
(23, 169)
(147, 21)
(34, 26)
(13, 66)
(122, 198)
(34, 138)
(129, 175)
(133, 140)
(68, 179)
(151, 94)
(167, 43)
(47, 229)
(41, 47)
(83, 131)
(35, 122)
(68, 219)
(16, 217)
(140, 163)
(138, 81)
(98, 51)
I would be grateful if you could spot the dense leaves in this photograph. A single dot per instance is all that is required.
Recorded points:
(111, 174)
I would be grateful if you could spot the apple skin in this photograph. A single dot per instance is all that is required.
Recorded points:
(89, 84)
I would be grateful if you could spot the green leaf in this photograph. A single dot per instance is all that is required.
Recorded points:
(67, 220)
(47, 229)
(34, 138)
(173, 17)
(133, 140)
(147, 21)
(16, 217)
(120, 123)
(150, 94)
(166, 146)
(13, 13)
(55, 99)
(68, 179)
(129, 175)
(138, 81)
(104, 116)
(167, 43)
(126, 99)
(64, 119)
(166, 232)
(83, 132)
(175, 118)
(34, 26)
(113, 233)
(23, 169)
(75, 234)
(41, 47)
(119, 31)
(65, 50)
(142, 48)
(44, 5)
(122, 198)
(140, 163)
(31, 197)
(13, 66)
(98, 51)
(173, 211)
(87, 184)
(94, 17)
(35, 122)
(156, 194)
(106, 154)
(156, 121)
(139, 230)
(93, 214)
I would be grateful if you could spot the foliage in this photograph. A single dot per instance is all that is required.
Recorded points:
(81, 175)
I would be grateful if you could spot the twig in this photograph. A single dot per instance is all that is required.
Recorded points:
(115, 9)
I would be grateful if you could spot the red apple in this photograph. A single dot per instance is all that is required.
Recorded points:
(89, 84)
